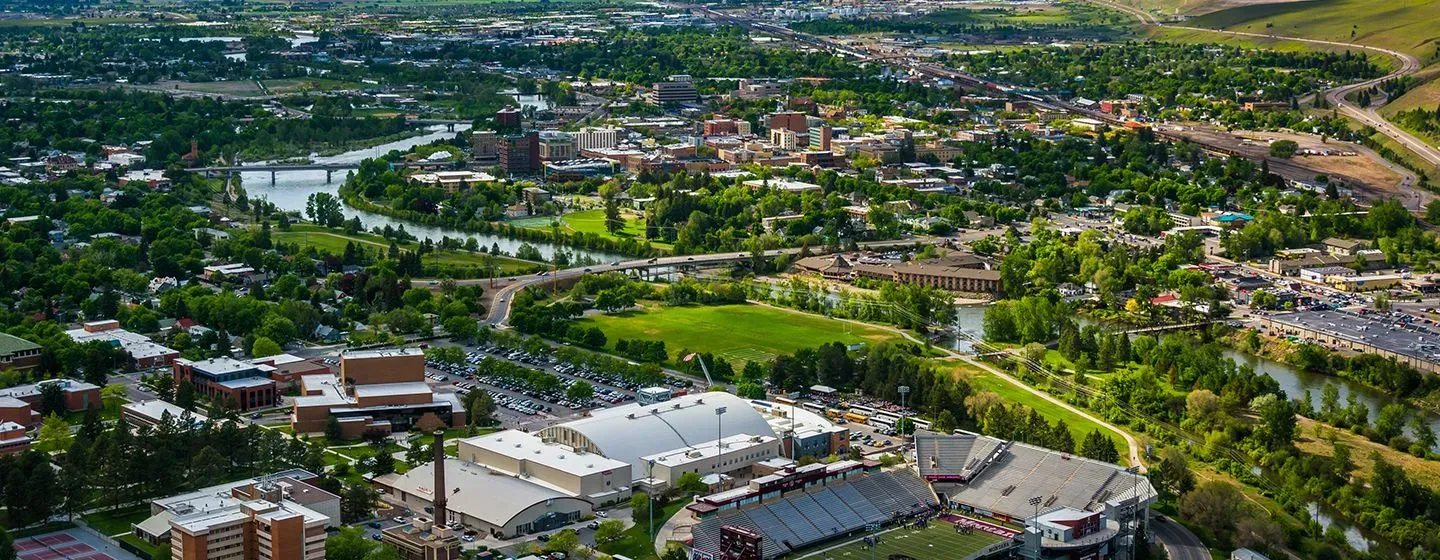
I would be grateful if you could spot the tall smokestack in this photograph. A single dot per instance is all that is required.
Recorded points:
(440, 490)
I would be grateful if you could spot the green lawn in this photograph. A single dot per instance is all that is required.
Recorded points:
(740, 333)
(333, 241)
(593, 222)
(986, 381)
(1173, 35)
(939, 540)
(118, 521)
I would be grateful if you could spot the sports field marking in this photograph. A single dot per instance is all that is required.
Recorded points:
(747, 354)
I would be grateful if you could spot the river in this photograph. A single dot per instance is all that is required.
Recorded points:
(292, 188)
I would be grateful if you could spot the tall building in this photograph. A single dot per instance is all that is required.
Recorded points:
(556, 145)
(484, 148)
(253, 530)
(520, 153)
(591, 138)
(676, 89)
(508, 118)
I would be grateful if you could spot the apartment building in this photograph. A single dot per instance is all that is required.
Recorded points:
(676, 89)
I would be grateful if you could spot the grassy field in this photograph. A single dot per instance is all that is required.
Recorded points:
(939, 540)
(333, 241)
(116, 522)
(1172, 35)
(986, 381)
(592, 222)
(1403, 25)
(740, 333)
(1421, 470)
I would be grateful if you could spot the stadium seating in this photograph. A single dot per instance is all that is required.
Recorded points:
(801, 519)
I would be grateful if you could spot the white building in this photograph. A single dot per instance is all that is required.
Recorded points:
(597, 138)
(595, 478)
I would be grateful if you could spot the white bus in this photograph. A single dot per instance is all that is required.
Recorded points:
(815, 407)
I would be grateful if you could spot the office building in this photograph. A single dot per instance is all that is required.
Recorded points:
(143, 352)
(555, 145)
(508, 118)
(381, 390)
(590, 138)
(520, 153)
(247, 386)
(678, 89)
(484, 148)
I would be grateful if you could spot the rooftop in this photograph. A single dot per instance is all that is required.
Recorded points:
(477, 491)
(385, 353)
(11, 344)
(1388, 332)
(514, 443)
(392, 389)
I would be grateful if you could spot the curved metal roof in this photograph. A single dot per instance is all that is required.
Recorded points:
(627, 433)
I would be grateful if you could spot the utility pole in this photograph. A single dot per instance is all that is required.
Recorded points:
(650, 501)
(719, 430)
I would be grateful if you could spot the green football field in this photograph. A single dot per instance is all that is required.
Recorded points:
(939, 540)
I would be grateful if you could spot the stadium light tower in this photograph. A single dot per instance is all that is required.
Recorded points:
(904, 390)
(719, 431)
(650, 499)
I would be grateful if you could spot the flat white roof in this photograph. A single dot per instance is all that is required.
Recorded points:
(475, 490)
(385, 353)
(392, 389)
(155, 409)
(521, 445)
(709, 449)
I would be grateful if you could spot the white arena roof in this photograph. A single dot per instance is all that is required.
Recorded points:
(488, 495)
(627, 433)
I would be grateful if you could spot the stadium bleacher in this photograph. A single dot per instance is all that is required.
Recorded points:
(804, 518)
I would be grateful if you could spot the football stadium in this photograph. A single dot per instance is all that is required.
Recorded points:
(963, 496)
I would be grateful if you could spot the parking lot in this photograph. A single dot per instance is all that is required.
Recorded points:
(519, 404)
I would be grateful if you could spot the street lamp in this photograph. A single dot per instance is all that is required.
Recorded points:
(904, 390)
(1035, 501)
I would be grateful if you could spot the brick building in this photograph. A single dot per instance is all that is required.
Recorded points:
(246, 385)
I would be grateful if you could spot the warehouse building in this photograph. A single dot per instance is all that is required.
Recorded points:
(1377, 334)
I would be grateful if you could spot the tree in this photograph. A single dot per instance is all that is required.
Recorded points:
(563, 542)
(640, 507)
(1283, 148)
(185, 395)
(461, 328)
(52, 399)
(582, 391)
(357, 501)
(383, 462)
(7, 546)
(1277, 424)
(614, 222)
(690, 483)
(1172, 476)
(324, 208)
(54, 435)
(479, 406)
(208, 467)
(609, 530)
(420, 451)
(1100, 447)
(1391, 421)
(332, 429)
(263, 347)
(1215, 505)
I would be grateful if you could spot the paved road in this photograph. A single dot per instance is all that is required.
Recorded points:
(1335, 96)
(1179, 542)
